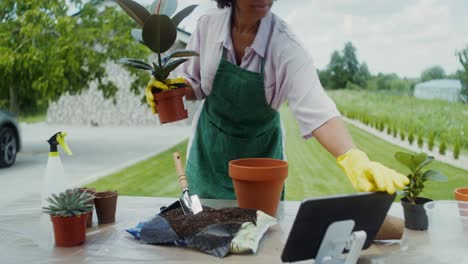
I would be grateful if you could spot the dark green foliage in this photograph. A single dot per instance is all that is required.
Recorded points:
(411, 138)
(463, 74)
(159, 33)
(420, 141)
(46, 52)
(433, 73)
(430, 141)
(402, 135)
(442, 148)
(389, 130)
(415, 163)
(395, 132)
(456, 151)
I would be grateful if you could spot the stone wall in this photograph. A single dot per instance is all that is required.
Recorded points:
(91, 108)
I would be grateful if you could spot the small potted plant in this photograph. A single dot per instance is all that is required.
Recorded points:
(69, 212)
(413, 205)
(158, 33)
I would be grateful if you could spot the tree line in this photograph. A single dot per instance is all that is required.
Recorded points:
(344, 71)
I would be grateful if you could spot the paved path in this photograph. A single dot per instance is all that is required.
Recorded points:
(461, 163)
(97, 151)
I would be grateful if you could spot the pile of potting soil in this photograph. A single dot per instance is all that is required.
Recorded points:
(188, 225)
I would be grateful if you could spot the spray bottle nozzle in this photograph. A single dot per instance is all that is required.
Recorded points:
(59, 139)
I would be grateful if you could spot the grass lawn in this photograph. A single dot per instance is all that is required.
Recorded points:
(313, 171)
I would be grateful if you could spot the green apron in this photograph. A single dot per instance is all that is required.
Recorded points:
(236, 122)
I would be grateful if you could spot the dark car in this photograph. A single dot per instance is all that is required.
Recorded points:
(10, 142)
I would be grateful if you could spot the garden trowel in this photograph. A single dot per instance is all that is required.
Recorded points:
(190, 203)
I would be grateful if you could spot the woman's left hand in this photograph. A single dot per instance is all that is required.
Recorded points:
(370, 176)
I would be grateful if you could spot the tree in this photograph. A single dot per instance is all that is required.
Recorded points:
(463, 58)
(433, 73)
(337, 77)
(45, 52)
(344, 67)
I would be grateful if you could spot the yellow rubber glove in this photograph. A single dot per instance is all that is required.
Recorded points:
(168, 84)
(370, 176)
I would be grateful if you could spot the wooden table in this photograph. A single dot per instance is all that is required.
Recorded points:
(26, 236)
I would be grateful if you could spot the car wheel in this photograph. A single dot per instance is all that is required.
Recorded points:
(8, 147)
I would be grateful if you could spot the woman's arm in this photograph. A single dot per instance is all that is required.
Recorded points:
(334, 137)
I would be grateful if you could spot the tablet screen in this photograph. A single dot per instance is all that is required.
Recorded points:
(368, 210)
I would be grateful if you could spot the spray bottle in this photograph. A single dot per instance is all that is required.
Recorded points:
(55, 179)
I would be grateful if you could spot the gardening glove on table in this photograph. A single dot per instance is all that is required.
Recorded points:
(370, 176)
(168, 84)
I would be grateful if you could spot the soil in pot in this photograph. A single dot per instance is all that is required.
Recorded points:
(106, 206)
(187, 225)
(170, 105)
(69, 231)
(92, 191)
(415, 214)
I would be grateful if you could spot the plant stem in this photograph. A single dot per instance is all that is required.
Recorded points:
(159, 60)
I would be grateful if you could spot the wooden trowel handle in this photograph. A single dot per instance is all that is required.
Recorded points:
(180, 170)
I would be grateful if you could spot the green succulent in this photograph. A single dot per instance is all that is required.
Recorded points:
(69, 203)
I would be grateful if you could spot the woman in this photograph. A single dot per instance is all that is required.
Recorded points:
(250, 64)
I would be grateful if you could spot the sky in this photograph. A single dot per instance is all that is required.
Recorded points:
(391, 36)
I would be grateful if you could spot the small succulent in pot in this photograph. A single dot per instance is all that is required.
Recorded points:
(69, 212)
(158, 33)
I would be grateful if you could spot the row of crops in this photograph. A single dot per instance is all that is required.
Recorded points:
(439, 124)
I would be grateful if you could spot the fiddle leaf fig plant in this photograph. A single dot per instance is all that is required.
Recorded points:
(415, 163)
(158, 33)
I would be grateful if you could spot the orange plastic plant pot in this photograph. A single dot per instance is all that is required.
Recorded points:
(69, 231)
(170, 105)
(258, 182)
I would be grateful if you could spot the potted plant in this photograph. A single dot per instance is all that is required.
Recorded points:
(413, 205)
(158, 33)
(68, 212)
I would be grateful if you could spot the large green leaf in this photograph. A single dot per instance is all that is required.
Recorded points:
(136, 64)
(137, 35)
(135, 11)
(158, 73)
(181, 53)
(405, 159)
(434, 175)
(159, 33)
(172, 65)
(428, 160)
(163, 7)
(183, 14)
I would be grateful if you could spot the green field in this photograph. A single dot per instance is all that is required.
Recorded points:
(447, 121)
(313, 171)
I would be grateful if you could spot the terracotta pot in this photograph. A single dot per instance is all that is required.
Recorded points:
(258, 182)
(92, 191)
(69, 231)
(170, 105)
(106, 205)
(461, 194)
(415, 214)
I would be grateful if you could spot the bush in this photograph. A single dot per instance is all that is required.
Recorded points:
(442, 148)
(402, 135)
(389, 130)
(430, 142)
(456, 151)
(395, 132)
(411, 138)
(420, 141)
(381, 127)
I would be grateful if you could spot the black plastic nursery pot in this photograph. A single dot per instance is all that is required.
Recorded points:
(415, 214)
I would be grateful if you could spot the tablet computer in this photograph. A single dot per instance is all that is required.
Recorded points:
(368, 210)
